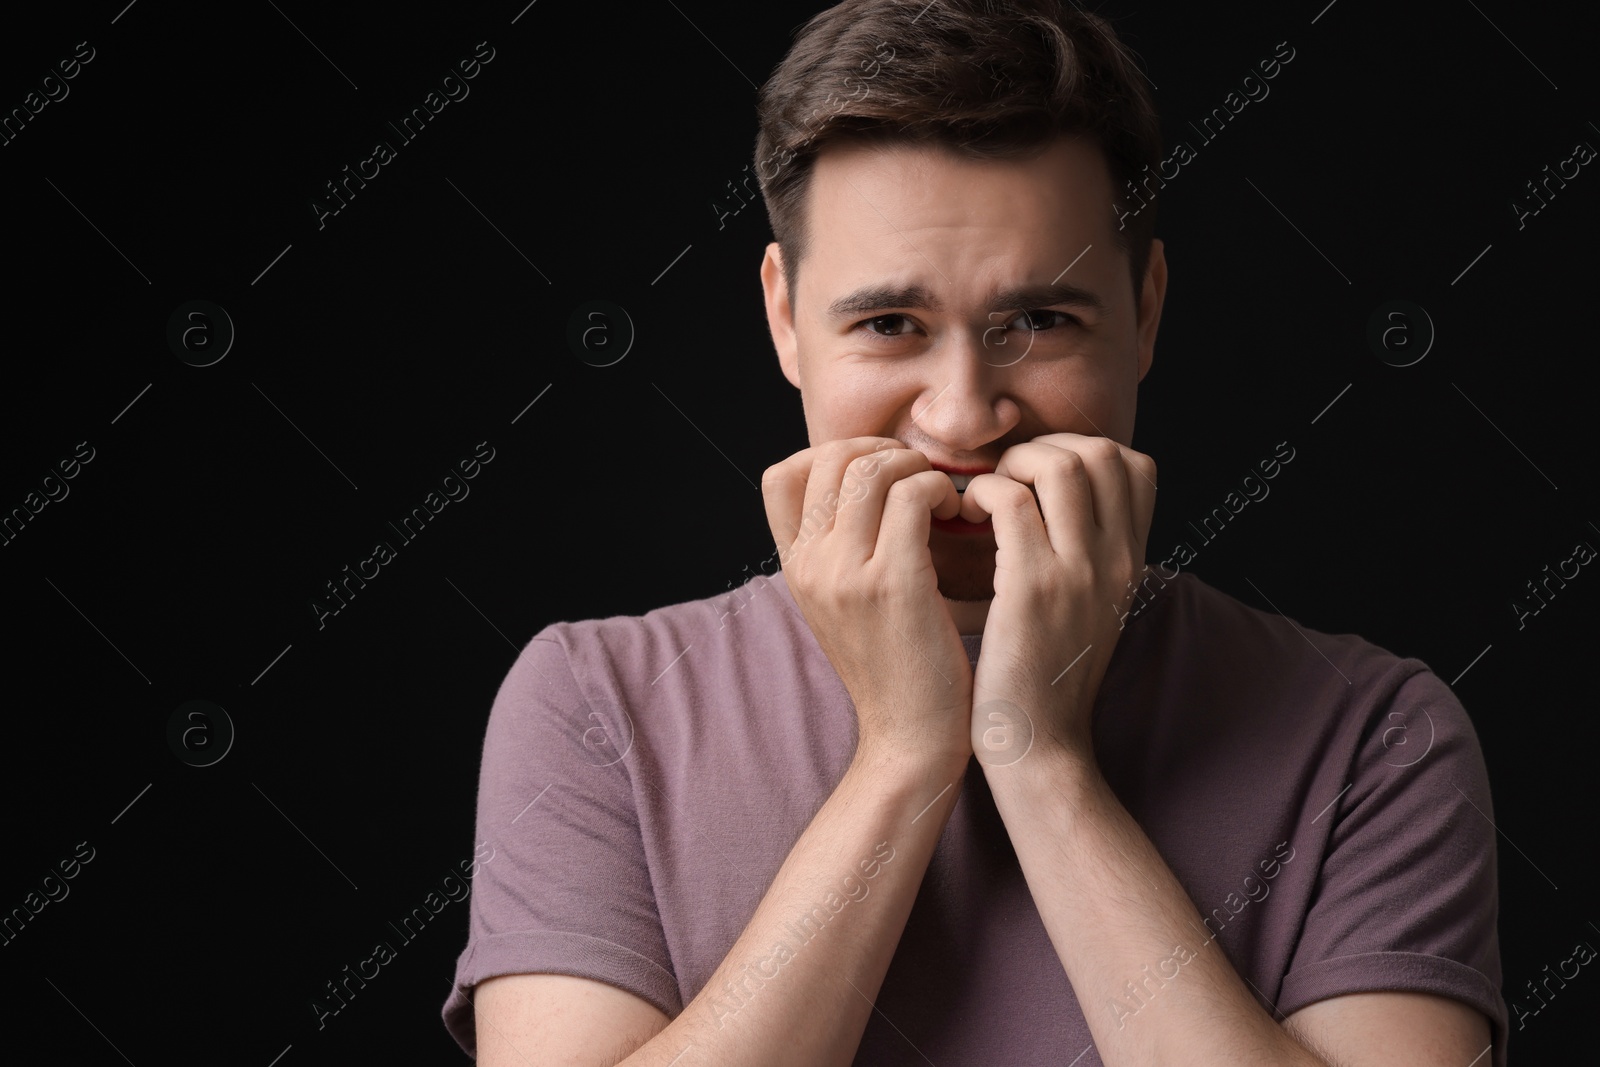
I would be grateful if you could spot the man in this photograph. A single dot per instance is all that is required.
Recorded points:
(967, 782)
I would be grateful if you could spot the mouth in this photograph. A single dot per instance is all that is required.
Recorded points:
(961, 478)
(962, 526)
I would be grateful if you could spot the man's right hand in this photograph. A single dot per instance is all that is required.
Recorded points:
(850, 519)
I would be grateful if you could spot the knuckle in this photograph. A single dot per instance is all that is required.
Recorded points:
(864, 467)
(883, 455)
(1016, 497)
(835, 451)
(1069, 459)
(905, 490)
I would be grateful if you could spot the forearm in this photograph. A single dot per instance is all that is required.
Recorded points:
(1153, 985)
(798, 985)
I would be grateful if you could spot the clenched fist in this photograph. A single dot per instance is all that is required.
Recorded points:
(851, 521)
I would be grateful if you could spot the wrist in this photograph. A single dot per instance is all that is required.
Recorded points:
(914, 792)
(910, 764)
(1048, 766)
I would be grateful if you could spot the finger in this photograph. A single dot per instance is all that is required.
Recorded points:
(1060, 480)
(1142, 482)
(819, 470)
(865, 488)
(783, 490)
(908, 506)
(1141, 470)
(1108, 477)
(1141, 495)
(852, 465)
(1011, 505)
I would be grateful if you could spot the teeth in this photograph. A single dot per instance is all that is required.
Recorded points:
(961, 481)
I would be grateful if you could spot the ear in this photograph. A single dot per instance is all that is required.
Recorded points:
(780, 313)
(1150, 302)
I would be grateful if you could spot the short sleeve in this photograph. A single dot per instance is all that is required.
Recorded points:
(567, 888)
(1407, 898)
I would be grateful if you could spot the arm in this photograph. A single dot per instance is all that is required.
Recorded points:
(851, 519)
(559, 1020)
(820, 942)
(817, 948)
(1154, 987)
(1398, 1029)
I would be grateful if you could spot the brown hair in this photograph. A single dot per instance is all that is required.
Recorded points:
(991, 79)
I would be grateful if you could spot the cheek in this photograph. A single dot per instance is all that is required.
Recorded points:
(844, 398)
(1072, 396)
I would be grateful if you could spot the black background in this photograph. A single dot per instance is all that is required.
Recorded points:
(374, 353)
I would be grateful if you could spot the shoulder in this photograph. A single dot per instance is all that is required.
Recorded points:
(696, 645)
(1200, 622)
(1219, 661)
(760, 611)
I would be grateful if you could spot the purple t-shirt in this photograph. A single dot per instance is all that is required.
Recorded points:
(1323, 802)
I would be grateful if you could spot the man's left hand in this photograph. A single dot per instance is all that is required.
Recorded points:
(1071, 516)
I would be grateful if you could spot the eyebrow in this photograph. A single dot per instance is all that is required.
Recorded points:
(880, 297)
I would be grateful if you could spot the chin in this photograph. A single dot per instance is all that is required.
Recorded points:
(965, 568)
(967, 594)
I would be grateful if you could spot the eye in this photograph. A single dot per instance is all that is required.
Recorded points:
(1033, 318)
(884, 320)
(886, 328)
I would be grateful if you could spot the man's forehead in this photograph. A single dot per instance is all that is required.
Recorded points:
(1075, 162)
(885, 216)
(862, 192)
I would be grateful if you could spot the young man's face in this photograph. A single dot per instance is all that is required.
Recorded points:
(935, 350)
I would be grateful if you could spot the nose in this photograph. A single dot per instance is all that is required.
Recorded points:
(966, 400)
